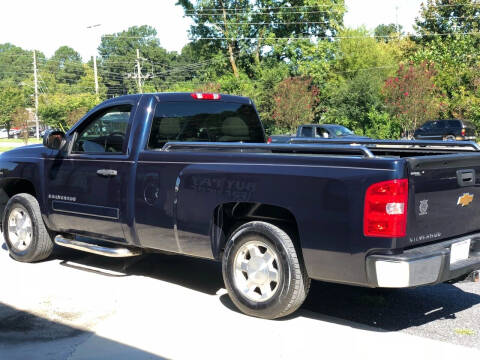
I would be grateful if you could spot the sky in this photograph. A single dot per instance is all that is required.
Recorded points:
(46, 25)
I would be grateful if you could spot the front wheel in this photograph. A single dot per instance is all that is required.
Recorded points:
(25, 234)
(262, 271)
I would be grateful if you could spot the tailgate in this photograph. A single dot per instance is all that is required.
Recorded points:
(444, 198)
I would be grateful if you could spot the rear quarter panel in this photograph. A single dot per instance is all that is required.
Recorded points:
(325, 195)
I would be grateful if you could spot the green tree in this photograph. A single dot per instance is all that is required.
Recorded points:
(16, 63)
(257, 28)
(61, 110)
(457, 61)
(447, 17)
(66, 65)
(117, 65)
(10, 100)
(354, 70)
(351, 100)
(384, 32)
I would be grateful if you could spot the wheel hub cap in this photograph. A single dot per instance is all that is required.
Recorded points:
(256, 271)
(20, 229)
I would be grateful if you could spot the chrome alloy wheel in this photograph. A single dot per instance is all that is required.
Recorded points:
(20, 231)
(256, 271)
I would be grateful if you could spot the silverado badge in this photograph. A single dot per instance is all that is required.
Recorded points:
(465, 199)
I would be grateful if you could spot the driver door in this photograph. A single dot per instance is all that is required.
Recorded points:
(87, 184)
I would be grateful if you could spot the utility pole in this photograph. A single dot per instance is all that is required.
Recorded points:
(139, 73)
(35, 80)
(396, 20)
(95, 74)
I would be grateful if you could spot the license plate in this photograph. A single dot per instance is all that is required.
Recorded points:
(459, 251)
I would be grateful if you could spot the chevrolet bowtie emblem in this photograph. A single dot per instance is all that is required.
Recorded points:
(465, 199)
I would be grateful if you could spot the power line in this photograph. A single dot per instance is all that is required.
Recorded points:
(274, 7)
(268, 23)
(312, 37)
(265, 13)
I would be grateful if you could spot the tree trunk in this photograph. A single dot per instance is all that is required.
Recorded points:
(230, 48)
(232, 60)
(259, 46)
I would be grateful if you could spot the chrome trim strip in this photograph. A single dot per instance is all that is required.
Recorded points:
(250, 164)
(116, 217)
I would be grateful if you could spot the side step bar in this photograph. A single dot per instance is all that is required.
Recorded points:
(96, 249)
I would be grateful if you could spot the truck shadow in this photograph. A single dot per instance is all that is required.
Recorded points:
(24, 335)
(388, 309)
(377, 309)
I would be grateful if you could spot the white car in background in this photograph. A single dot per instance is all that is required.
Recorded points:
(3, 133)
(13, 133)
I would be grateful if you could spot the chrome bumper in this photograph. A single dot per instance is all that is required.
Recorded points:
(424, 265)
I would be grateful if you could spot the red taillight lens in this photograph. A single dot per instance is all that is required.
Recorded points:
(269, 140)
(385, 210)
(202, 96)
(464, 132)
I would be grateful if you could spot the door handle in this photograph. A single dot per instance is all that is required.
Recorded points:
(107, 172)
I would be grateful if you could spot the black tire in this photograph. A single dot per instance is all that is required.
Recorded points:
(41, 244)
(449, 138)
(293, 285)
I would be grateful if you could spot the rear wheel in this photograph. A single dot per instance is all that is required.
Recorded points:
(262, 271)
(449, 138)
(25, 234)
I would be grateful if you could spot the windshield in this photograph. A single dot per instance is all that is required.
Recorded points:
(339, 130)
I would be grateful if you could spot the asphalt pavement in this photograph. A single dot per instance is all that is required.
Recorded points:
(81, 306)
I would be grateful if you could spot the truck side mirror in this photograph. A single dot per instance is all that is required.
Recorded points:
(54, 139)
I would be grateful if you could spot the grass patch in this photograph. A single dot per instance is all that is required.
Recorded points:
(465, 332)
(3, 149)
(19, 141)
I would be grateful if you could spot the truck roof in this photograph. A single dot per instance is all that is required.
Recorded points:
(184, 96)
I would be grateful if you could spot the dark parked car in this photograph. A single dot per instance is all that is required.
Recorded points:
(446, 130)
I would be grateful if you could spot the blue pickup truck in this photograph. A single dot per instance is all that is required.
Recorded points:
(192, 174)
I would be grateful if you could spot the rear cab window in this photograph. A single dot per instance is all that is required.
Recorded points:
(214, 121)
(307, 131)
(454, 124)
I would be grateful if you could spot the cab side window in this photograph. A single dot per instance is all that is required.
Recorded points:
(105, 133)
(321, 132)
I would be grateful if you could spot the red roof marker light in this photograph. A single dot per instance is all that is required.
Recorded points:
(203, 96)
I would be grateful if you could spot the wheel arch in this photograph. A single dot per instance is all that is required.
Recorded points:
(13, 186)
(230, 215)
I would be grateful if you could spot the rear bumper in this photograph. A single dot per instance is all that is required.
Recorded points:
(424, 265)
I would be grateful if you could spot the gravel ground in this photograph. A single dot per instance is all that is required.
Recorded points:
(444, 312)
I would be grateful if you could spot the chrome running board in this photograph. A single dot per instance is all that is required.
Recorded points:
(116, 252)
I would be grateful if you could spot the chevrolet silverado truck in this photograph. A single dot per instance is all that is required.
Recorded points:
(192, 174)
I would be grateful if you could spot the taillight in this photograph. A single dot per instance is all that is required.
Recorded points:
(464, 131)
(269, 140)
(385, 210)
(202, 96)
